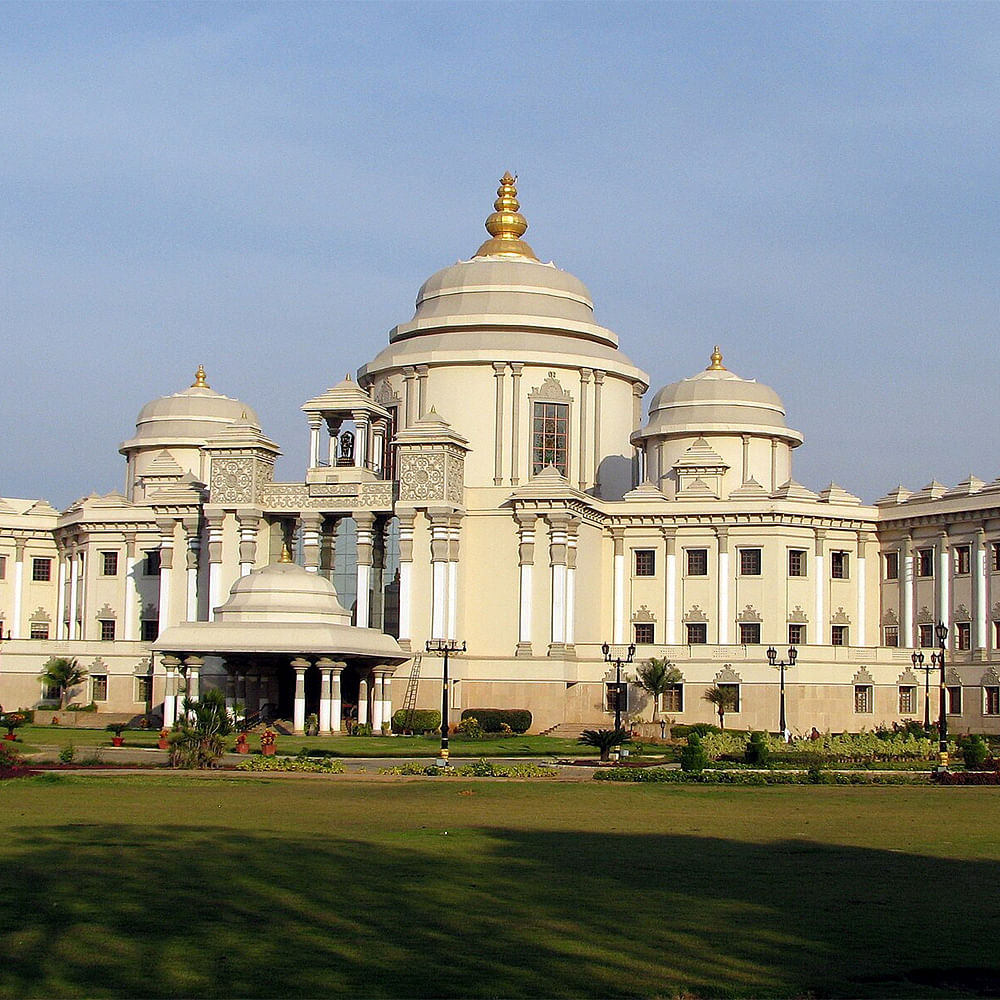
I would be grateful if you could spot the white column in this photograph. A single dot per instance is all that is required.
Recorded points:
(194, 665)
(618, 597)
(360, 439)
(312, 533)
(980, 583)
(299, 712)
(249, 523)
(15, 625)
(61, 599)
(214, 563)
(723, 585)
(906, 592)
(405, 577)
(364, 522)
(862, 584)
(83, 566)
(557, 571)
(314, 425)
(387, 699)
(944, 579)
(526, 559)
(170, 664)
(130, 595)
(74, 595)
(193, 552)
(819, 629)
(325, 670)
(670, 571)
(571, 553)
(362, 702)
(336, 720)
(377, 703)
(439, 578)
(453, 550)
(166, 527)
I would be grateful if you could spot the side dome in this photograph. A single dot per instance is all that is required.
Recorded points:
(283, 592)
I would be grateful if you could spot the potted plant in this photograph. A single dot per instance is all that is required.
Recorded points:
(164, 741)
(267, 741)
(241, 743)
(117, 728)
(13, 720)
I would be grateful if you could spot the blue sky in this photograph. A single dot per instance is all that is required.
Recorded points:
(264, 187)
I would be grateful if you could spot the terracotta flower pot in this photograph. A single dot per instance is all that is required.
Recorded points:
(117, 741)
(242, 748)
(10, 736)
(267, 749)
(163, 744)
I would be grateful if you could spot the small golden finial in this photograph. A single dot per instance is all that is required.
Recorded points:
(199, 379)
(716, 365)
(506, 225)
(286, 556)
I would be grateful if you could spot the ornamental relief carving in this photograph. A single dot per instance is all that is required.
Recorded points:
(232, 480)
(376, 495)
(422, 477)
(456, 479)
(863, 677)
(550, 390)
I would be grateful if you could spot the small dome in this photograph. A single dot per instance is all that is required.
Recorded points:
(283, 592)
(717, 399)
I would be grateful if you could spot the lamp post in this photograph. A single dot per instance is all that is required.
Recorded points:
(617, 660)
(941, 631)
(772, 658)
(917, 659)
(444, 647)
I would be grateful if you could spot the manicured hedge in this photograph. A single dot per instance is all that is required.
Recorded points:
(424, 720)
(758, 778)
(491, 719)
(968, 778)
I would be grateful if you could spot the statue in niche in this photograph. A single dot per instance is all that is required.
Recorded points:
(346, 456)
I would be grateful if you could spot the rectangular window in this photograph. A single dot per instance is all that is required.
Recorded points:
(796, 562)
(863, 701)
(839, 565)
(907, 699)
(673, 698)
(734, 700)
(550, 438)
(645, 633)
(144, 688)
(109, 564)
(616, 696)
(838, 635)
(796, 635)
(697, 562)
(925, 562)
(645, 562)
(39, 630)
(963, 560)
(996, 557)
(697, 633)
(50, 692)
(991, 700)
(963, 635)
(98, 687)
(750, 633)
(151, 562)
(891, 563)
(150, 629)
(955, 700)
(749, 562)
(107, 629)
(41, 570)
(890, 635)
(3, 567)
(996, 635)
(926, 636)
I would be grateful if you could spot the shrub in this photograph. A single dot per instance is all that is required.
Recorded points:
(68, 754)
(482, 768)
(10, 756)
(491, 720)
(360, 729)
(604, 739)
(701, 728)
(469, 728)
(967, 777)
(693, 756)
(326, 765)
(757, 751)
(974, 752)
(424, 720)
(92, 707)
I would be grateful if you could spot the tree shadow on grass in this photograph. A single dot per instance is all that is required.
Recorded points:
(118, 910)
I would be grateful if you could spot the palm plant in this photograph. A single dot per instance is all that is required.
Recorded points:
(604, 739)
(723, 698)
(63, 673)
(199, 737)
(657, 676)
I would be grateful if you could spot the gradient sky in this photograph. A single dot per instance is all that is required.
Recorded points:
(264, 187)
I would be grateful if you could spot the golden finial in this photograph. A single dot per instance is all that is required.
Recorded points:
(199, 379)
(506, 225)
(716, 365)
(286, 556)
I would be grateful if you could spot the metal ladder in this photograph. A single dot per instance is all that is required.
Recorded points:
(410, 698)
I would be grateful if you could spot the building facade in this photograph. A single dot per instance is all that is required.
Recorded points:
(490, 477)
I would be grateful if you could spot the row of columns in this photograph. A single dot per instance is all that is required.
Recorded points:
(369, 440)
(445, 537)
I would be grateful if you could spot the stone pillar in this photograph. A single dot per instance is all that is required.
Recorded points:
(81, 631)
(499, 373)
(409, 395)
(336, 705)
(440, 534)
(214, 523)
(745, 438)
(315, 423)
(166, 526)
(377, 685)
(365, 523)
(906, 585)
(74, 597)
(557, 568)
(312, 530)
(526, 561)
(670, 572)
(980, 590)
(194, 665)
(515, 422)
(584, 470)
(722, 536)
(944, 580)
(572, 528)
(241, 690)
(300, 665)
(130, 595)
(618, 597)
(454, 540)
(325, 665)
(380, 430)
(15, 626)
(387, 697)
(421, 371)
(596, 457)
(862, 584)
(362, 701)
(774, 464)
(230, 689)
(361, 439)
(61, 596)
(406, 519)
(333, 426)
(193, 554)
(170, 665)
(249, 523)
(820, 630)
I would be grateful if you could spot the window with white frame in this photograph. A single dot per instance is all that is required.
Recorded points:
(907, 699)
(734, 696)
(107, 629)
(924, 563)
(890, 635)
(891, 565)
(109, 564)
(550, 437)
(644, 561)
(864, 702)
(673, 698)
(838, 635)
(839, 565)
(50, 692)
(143, 688)
(963, 635)
(991, 700)
(796, 562)
(98, 687)
(3, 567)
(954, 699)
(750, 562)
(796, 634)
(697, 633)
(39, 630)
(645, 633)
(925, 635)
(750, 633)
(41, 570)
(963, 560)
(697, 562)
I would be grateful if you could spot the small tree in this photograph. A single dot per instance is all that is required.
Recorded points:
(63, 673)
(724, 700)
(657, 676)
(604, 739)
(199, 738)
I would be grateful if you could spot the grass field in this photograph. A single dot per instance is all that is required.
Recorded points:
(189, 885)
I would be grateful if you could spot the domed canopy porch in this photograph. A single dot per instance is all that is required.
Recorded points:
(285, 642)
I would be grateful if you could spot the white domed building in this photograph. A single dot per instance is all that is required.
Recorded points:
(489, 479)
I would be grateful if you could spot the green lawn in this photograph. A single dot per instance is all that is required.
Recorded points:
(215, 886)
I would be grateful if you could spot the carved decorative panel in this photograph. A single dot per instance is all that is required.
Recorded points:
(232, 480)
(421, 477)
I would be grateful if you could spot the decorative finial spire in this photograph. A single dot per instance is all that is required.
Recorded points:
(716, 365)
(286, 556)
(506, 225)
(199, 379)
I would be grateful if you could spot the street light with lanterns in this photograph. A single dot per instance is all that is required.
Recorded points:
(445, 648)
(618, 686)
(917, 659)
(772, 658)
